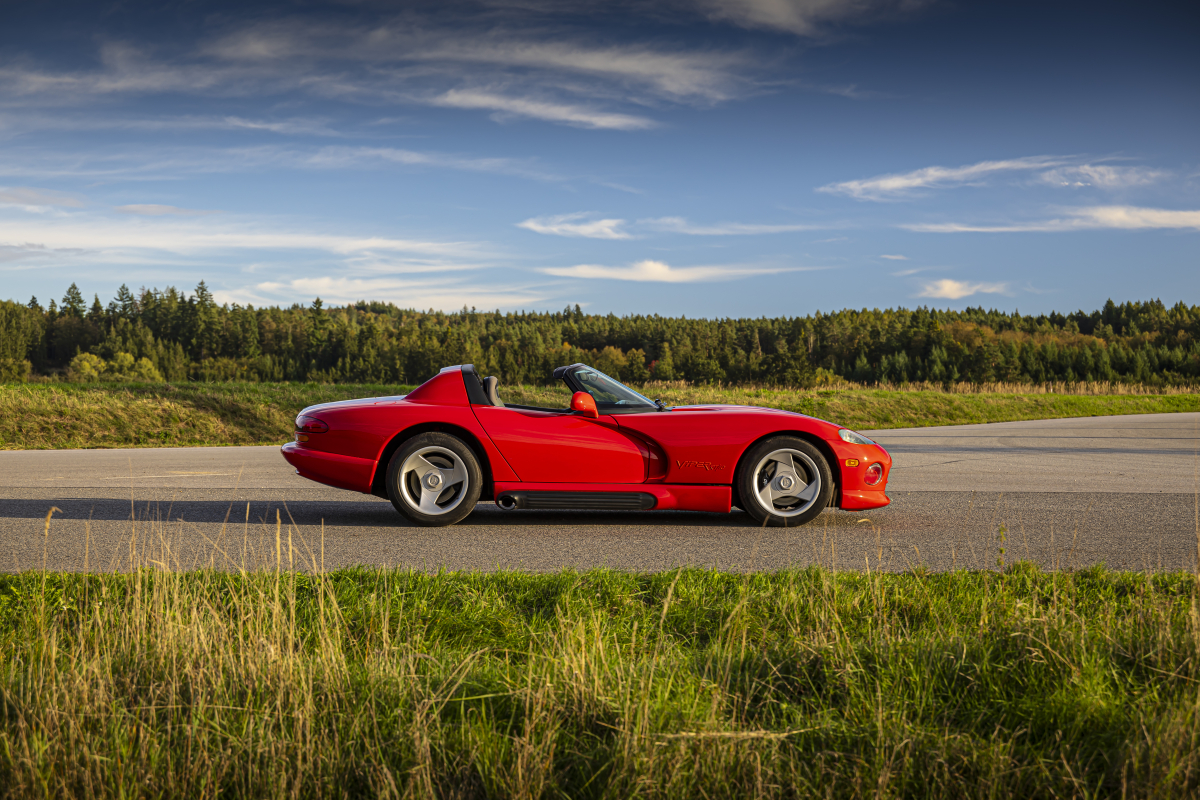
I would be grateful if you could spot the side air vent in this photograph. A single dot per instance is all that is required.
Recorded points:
(613, 501)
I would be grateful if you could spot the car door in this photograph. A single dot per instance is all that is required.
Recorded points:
(563, 447)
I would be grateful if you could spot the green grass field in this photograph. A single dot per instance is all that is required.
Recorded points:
(388, 683)
(64, 415)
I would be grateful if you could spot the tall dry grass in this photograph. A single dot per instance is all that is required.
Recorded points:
(60, 416)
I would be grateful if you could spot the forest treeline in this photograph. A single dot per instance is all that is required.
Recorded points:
(171, 335)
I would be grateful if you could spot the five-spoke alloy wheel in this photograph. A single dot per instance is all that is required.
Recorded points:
(434, 479)
(784, 481)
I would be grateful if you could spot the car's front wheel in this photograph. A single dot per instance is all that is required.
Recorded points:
(784, 481)
(434, 479)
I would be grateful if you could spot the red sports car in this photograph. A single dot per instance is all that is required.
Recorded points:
(452, 442)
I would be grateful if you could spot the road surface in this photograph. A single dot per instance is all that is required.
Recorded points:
(1122, 491)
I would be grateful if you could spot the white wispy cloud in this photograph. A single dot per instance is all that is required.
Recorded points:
(555, 74)
(675, 74)
(678, 75)
(895, 258)
(1130, 218)
(341, 268)
(420, 294)
(75, 121)
(802, 17)
(32, 199)
(954, 290)
(289, 127)
(157, 210)
(157, 163)
(905, 184)
(1103, 176)
(145, 238)
(507, 106)
(123, 69)
(1050, 170)
(650, 271)
(681, 225)
(578, 225)
(29, 252)
(337, 156)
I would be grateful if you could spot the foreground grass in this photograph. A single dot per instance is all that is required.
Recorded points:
(64, 416)
(366, 683)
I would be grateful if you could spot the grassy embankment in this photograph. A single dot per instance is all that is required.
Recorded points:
(63, 415)
(810, 683)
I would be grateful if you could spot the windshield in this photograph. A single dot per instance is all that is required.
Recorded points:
(607, 392)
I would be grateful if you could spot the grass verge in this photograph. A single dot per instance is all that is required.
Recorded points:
(67, 416)
(697, 683)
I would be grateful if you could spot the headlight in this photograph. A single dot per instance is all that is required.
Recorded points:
(310, 424)
(852, 437)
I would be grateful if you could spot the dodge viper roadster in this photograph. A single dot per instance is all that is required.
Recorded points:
(452, 442)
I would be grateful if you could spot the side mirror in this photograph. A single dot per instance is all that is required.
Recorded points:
(585, 404)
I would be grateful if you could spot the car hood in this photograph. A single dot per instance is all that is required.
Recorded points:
(728, 409)
(364, 401)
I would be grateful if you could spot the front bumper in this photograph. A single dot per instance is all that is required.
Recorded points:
(853, 459)
(863, 499)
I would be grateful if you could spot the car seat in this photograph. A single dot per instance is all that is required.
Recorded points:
(489, 388)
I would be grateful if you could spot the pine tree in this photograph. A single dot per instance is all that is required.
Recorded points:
(664, 367)
(206, 325)
(126, 303)
(72, 303)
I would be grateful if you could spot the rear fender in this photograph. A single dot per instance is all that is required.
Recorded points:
(379, 480)
(815, 441)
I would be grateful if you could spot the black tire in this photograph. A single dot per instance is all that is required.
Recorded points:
(789, 507)
(416, 494)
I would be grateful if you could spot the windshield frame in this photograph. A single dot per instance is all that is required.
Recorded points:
(575, 384)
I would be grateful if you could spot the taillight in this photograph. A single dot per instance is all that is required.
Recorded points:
(310, 425)
(873, 474)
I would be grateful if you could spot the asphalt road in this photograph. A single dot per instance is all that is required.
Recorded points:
(1123, 491)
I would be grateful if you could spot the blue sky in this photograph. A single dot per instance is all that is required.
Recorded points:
(702, 157)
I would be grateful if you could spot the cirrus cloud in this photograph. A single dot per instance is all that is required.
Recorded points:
(900, 185)
(576, 225)
(30, 198)
(1103, 176)
(1129, 218)
(681, 225)
(569, 114)
(802, 17)
(948, 289)
(436, 293)
(650, 271)
(157, 210)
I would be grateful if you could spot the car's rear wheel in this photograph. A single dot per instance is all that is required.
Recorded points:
(434, 479)
(784, 481)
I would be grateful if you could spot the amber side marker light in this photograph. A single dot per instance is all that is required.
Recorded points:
(851, 462)
(301, 437)
(873, 475)
(310, 425)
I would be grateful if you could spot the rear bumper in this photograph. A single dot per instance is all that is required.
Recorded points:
(331, 469)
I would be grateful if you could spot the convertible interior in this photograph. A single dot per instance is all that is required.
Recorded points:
(611, 396)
